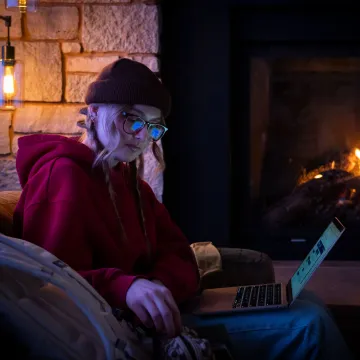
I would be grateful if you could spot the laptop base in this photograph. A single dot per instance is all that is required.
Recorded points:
(221, 301)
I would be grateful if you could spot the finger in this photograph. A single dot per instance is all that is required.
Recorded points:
(172, 304)
(175, 311)
(141, 312)
(177, 322)
(167, 316)
(155, 314)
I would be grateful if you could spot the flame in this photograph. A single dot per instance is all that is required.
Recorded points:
(357, 153)
(350, 163)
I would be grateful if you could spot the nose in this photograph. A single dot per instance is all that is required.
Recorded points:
(142, 135)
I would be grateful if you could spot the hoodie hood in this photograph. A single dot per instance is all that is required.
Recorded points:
(35, 151)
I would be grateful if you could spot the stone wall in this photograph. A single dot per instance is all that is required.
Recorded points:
(62, 48)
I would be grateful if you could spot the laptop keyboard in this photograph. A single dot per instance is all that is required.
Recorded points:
(258, 295)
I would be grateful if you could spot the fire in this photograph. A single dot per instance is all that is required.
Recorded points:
(350, 163)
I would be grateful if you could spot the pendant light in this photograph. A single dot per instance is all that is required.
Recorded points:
(10, 73)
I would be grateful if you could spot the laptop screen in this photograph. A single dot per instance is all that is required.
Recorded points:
(316, 256)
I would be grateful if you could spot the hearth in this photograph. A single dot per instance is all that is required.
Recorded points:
(295, 128)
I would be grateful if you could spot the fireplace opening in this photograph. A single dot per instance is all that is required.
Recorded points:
(306, 150)
(313, 124)
(300, 101)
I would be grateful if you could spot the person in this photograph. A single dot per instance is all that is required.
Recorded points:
(84, 201)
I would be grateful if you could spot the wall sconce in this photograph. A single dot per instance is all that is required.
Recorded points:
(23, 5)
(10, 73)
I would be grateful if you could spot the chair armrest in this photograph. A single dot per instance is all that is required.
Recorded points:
(240, 267)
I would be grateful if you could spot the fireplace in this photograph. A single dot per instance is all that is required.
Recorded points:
(258, 91)
(295, 126)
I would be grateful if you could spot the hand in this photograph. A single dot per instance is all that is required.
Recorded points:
(157, 282)
(155, 306)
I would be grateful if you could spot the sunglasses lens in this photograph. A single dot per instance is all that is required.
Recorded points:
(133, 125)
(156, 132)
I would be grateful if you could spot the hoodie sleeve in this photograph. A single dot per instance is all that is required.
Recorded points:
(62, 227)
(56, 227)
(175, 264)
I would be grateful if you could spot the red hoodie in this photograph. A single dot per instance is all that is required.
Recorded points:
(65, 207)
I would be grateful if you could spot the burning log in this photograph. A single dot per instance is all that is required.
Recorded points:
(330, 193)
(326, 192)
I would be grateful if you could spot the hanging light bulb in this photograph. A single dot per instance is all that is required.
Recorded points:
(10, 74)
(9, 82)
(23, 5)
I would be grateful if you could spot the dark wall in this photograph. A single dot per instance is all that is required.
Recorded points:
(194, 62)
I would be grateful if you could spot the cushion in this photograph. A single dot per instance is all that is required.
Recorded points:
(240, 267)
(8, 201)
(207, 257)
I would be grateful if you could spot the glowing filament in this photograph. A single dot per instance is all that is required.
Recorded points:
(9, 82)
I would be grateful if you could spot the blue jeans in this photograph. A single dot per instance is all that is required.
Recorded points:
(304, 331)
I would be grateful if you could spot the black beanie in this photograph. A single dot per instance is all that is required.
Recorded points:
(128, 82)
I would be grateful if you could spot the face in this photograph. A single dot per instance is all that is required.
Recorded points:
(133, 143)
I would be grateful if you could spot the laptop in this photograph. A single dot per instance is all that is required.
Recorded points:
(270, 296)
